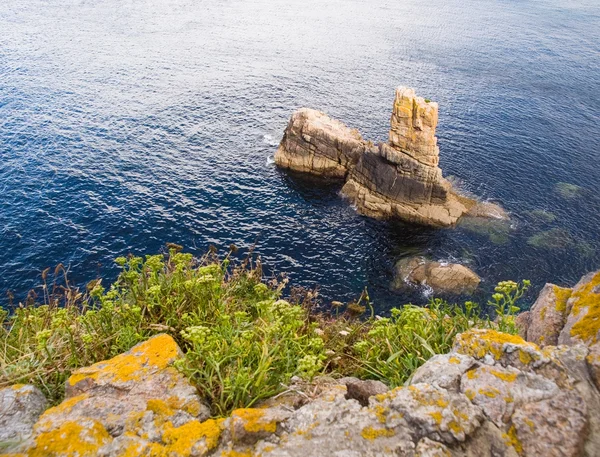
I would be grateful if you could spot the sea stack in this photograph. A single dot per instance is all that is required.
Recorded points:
(399, 179)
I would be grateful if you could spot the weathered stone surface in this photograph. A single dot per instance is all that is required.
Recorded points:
(20, 407)
(555, 427)
(441, 277)
(498, 391)
(444, 370)
(522, 323)
(400, 179)
(313, 142)
(413, 125)
(386, 183)
(430, 411)
(430, 448)
(547, 315)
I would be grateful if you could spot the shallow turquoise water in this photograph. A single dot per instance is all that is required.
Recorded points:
(128, 124)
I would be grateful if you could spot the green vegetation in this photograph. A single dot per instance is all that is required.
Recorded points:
(242, 342)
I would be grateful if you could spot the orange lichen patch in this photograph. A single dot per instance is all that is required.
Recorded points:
(511, 439)
(525, 357)
(233, 453)
(437, 416)
(17, 386)
(155, 354)
(181, 440)
(588, 301)
(370, 433)
(477, 343)
(191, 407)
(562, 297)
(62, 409)
(454, 360)
(507, 377)
(70, 440)
(254, 420)
(160, 408)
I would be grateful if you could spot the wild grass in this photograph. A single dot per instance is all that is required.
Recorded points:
(242, 342)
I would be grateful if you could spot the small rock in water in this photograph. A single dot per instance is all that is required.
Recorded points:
(567, 190)
(449, 278)
(555, 238)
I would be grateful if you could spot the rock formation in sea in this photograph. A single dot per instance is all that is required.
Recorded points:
(399, 179)
(493, 395)
(441, 277)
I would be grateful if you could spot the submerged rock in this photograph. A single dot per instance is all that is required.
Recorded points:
(399, 179)
(567, 190)
(555, 238)
(450, 278)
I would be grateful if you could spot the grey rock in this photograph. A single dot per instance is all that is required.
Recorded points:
(547, 315)
(20, 407)
(444, 370)
(361, 391)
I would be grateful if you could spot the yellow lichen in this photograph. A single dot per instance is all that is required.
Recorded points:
(437, 416)
(491, 392)
(511, 439)
(562, 297)
(381, 412)
(525, 357)
(155, 354)
(159, 407)
(478, 343)
(587, 301)
(181, 440)
(70, 440)
(530, 423)
(454, 360)
(472, 374)
(455, 427)
(233, 453)
(470, 394)
(62, 409)
(507, 377)
(254, 420)
(370, 433)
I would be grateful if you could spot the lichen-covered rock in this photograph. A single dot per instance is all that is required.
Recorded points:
(441, 277)
(20, 407)
(430, 448)
(138, 398)
(497, 347)
(583, 309)
(547, 315)
(498, 390)
(430, 411)
(313, 142)
(444, 370)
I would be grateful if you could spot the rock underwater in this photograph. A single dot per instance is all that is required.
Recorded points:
(493, 395)
(399, 179)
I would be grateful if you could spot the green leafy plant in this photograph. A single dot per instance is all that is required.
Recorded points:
(242, 342)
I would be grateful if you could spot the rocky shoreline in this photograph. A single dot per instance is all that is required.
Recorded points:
(494, 394)
(398, 179)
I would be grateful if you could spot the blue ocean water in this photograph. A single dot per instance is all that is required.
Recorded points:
(125, 124)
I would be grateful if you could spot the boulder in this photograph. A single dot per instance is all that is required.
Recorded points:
(362, 391)
(547, 315)
(441, 277)
(399, 179)
(315, 143)
(137, 400)
(20, 407)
